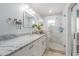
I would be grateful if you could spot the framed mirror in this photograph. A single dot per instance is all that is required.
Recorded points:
(28, 20)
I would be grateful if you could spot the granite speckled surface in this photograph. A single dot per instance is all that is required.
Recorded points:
(9, 46)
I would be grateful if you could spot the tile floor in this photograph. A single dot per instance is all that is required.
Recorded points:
(77, 54)
(50, 52)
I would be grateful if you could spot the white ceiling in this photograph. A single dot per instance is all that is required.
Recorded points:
(43, 8)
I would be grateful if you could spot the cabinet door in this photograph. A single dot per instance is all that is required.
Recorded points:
(34, 49)
(23, 52)
(39, 47)
(42, 45)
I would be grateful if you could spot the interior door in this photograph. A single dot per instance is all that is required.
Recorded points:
(74, 30)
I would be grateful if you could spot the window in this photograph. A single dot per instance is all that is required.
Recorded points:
(51, 22)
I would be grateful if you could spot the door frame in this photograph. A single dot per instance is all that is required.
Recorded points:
(69, 40)
(73, 29)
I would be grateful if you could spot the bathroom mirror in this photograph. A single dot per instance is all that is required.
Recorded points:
(28, 20)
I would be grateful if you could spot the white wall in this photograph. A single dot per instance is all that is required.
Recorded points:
(77, 24)
(78, 18)
(11, 10)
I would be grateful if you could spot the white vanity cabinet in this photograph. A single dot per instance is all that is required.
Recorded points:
(42, 45)
(22, 52)
(35, 48)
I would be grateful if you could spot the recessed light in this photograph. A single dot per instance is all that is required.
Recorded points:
(50, 11)
(27, 8)
(30, 10)
(33, 12)
(24, 7)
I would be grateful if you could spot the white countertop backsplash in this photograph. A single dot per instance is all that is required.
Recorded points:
(9, 46)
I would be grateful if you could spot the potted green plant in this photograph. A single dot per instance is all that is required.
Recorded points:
(38, 27)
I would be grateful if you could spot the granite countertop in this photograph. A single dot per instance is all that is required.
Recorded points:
(11, 45)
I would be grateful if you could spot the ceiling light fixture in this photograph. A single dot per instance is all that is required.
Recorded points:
(33, 12)
(24, 7)
(50, 11)
(30, 9)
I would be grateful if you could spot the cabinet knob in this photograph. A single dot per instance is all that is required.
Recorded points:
(30, 46)
(42, 43)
